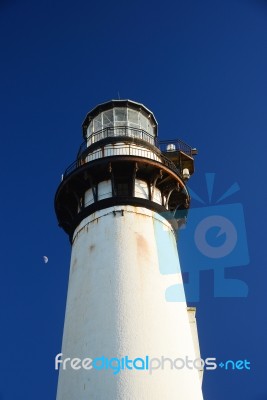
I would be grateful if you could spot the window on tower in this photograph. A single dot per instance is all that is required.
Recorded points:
(122, 189)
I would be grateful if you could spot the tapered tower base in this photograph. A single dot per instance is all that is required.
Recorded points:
(124, 259)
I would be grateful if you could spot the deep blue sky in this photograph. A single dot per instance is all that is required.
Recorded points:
(201, 67)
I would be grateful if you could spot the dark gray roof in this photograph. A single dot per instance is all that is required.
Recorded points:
(118, 103)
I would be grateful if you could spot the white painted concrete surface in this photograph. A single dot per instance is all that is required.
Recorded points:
(122, 149)
(193, 324)
(121, 266)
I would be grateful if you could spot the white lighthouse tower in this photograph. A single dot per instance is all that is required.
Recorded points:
(128, 334)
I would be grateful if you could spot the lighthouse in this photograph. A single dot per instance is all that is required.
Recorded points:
(128, 333)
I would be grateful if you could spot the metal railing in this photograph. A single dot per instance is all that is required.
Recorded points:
(124, 131)
(174, 145)
(128, 150)
(131, 149)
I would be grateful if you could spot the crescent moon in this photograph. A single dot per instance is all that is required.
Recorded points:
(45, 259)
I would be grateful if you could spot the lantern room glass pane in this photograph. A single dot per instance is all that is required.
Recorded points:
(150, 128)
(133, 119)
(143, 122)
(108, 118)
(120, 116)
(90, 129)
(98, 123)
